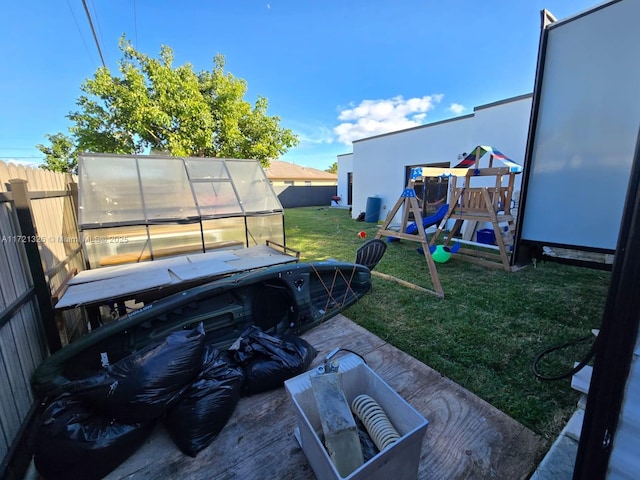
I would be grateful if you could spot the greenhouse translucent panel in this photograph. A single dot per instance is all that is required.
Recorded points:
(116, 245)
(108, 190)
(166, 190)
(213, 169)
(254, 189)
(224, 230)
(175, 239)
(145, 207)
(217, 198)
(265, 227)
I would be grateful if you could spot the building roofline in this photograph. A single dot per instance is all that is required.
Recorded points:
(453, 119)
(501, 102)
(417, 127)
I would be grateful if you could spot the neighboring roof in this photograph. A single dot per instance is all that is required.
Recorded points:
(279, 170)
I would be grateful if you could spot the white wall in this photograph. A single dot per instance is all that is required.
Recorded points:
(345, 166)
(505, 127)
(379, 162)
(586, 131)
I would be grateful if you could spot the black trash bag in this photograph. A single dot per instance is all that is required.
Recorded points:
(269, 360)
(145, 384)
(73, 441)
(206, 406)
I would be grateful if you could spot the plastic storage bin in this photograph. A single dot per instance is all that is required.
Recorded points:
(398, 462)
(486, 236)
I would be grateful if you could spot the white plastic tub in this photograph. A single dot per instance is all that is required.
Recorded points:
(398, 462)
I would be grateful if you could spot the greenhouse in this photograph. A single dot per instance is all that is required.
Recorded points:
(135, 208)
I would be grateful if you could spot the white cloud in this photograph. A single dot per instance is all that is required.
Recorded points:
(311, 132)
(315, 135)
(374, 117)
(457, 108)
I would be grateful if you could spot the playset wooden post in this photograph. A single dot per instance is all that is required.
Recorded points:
(409, 201)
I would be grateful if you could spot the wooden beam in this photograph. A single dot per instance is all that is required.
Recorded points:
(404, 283)
(410, 203)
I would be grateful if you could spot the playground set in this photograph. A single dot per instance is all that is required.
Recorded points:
(467, 201)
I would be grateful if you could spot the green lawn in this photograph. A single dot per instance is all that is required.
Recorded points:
(486, 331)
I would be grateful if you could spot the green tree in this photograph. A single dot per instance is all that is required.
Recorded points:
(333, 168)
(60, 155)
(151, 104)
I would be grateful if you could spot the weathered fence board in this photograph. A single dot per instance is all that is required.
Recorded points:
(23, 340)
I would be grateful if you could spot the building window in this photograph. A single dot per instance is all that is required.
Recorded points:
(431, 192)
(307, 183)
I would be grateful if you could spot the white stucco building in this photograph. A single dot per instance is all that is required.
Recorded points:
(379, 165)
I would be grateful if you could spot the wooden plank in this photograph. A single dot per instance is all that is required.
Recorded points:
(12, 282)
(480, 261)
(460, 442)
(466, 437)
(95, 287)
(35, 334)
(55, 296)
(409, 203)
(9, 419)
(404, 283)
(4, 177)
(17, 384)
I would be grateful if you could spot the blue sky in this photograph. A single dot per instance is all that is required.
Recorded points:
(333, 71)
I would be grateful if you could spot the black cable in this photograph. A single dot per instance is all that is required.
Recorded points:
(93, 30)
(351, 351)
(574, 370)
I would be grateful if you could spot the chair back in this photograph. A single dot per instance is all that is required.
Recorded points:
(370, 253)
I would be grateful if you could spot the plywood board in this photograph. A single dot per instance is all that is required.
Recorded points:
(99, 286)
(466, 436)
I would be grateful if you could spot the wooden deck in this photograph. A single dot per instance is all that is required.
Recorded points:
(466, 437)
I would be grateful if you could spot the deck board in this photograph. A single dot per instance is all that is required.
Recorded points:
(466, 437)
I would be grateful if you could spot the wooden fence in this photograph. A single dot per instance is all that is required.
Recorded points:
(39, 252)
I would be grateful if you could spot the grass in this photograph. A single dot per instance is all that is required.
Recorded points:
(486, 331)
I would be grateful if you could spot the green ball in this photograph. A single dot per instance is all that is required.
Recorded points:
(440, 255)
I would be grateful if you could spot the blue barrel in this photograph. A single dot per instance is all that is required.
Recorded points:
(372, 212)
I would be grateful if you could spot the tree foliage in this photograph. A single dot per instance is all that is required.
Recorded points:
(60, 155)
(333, 168)
(151, 104)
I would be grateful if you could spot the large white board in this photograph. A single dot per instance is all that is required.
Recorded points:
(586, 127)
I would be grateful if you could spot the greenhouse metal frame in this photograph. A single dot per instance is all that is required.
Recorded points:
(135, 208)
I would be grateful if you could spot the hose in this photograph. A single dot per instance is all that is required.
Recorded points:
(587, 358)
(376, 422)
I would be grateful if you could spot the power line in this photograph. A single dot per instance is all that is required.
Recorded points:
(75, 20)
(92, 5)
(93, 30)
(16, 148)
